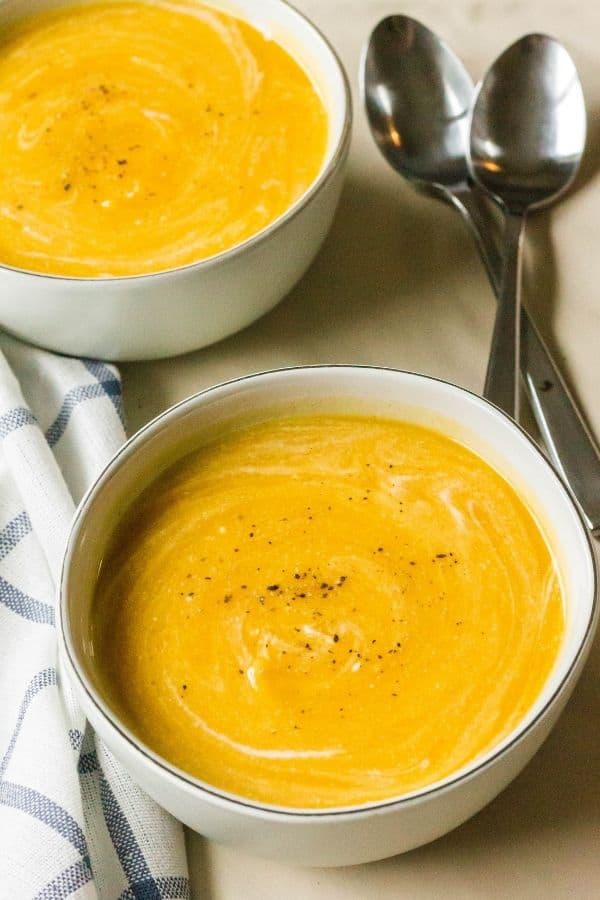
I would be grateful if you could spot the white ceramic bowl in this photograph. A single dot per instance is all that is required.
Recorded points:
(347, 835)
(166, 313)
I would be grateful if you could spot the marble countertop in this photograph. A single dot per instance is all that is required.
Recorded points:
(398, 283)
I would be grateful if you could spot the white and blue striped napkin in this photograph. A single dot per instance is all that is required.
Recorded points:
(72, 823)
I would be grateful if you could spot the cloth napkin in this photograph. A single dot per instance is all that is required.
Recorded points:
(72, 822)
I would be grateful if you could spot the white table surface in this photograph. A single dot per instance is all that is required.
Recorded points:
(398, 283)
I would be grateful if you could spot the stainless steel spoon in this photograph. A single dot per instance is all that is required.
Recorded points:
(527, 138)
(418, 97)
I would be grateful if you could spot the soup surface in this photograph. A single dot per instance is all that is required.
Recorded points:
(327, 610)
(137, 137)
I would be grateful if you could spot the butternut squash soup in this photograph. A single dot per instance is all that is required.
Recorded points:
(140, 136)
(326, 610)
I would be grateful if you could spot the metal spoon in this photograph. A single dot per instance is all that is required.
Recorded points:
(418, 96)
(527, 139)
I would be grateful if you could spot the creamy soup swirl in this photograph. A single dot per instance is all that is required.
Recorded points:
(137, 137)
(327, 610)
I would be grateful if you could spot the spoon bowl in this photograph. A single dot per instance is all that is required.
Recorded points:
(417, 95)
(529, 124)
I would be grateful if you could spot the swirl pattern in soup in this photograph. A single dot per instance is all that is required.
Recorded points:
(326, 610)
(141, 136)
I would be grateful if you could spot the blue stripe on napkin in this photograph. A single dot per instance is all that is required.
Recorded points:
(33, 803)
(43, 679)
(109, 381)
(14, 419)
(24, 605)
(13, 533)
(73, 399)
(173, 887)
(67, 882)
(142, 884)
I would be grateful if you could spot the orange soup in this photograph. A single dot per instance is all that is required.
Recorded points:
(141, 136)
(326, 610)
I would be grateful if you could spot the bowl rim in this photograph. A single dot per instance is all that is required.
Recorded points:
(336, 157)
(274, 812)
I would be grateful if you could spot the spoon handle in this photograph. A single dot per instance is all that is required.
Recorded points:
(502, 377)
(568, 440)
(475, 210)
